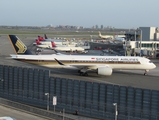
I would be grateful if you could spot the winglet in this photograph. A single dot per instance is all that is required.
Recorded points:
(18, 45)
(60, 63)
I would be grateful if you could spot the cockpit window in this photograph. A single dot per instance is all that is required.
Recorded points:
(150, 61)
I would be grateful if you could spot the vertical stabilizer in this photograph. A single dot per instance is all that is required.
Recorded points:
(53, 44)
(18, 45)
(45, 36)
(99, 33)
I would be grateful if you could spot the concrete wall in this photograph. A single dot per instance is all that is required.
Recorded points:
(148, 33)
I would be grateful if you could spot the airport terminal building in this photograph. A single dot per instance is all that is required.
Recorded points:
(144, 41)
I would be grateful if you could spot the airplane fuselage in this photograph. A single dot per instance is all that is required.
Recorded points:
(103, 65)
(93, 62)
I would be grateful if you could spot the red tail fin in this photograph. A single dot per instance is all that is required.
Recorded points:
(40, 38)
(45, 36)
(53, 44)
(37, 41)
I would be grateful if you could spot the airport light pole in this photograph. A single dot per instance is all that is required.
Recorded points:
(125, 48)
(47, 94)
(116, 111)
(140, 40)
(135, 35)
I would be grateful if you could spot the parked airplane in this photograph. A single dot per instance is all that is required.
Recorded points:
(103, 65)
(116, 37)
(66, 48)
(59, 45)
(57, 42)
(47, 41)
(105, 36)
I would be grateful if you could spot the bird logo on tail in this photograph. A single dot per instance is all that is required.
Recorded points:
(21, 47)
(18, 45)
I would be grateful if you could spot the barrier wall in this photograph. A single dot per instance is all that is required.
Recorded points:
(26, 85)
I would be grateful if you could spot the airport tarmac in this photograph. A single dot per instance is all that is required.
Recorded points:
(134, 78)
(127, 78)
(124, 78)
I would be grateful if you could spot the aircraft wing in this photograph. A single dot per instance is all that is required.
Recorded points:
(87, 67)
(81, 66)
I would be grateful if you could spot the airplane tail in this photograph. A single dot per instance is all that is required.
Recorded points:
(37, 42)
(18, 45)
(99, 33)
(45, 36)
(53, 44)
(40, 38)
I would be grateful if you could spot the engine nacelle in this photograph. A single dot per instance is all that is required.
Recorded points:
(107, 71)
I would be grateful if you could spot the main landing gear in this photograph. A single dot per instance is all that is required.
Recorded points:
(146, 71)
(82, 73)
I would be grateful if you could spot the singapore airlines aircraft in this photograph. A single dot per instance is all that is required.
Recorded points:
(103, 65)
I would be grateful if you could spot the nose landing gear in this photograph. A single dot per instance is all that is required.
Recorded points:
(146, 71)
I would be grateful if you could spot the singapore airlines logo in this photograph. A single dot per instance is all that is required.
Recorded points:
(22, 48)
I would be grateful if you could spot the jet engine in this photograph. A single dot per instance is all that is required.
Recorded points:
(107, 71)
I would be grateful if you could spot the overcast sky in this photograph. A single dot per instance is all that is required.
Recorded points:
(86, 13)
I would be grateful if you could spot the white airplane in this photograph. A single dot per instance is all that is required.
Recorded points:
(103, 65)
(66, 48)
(105, 36)
(59, 45)
(116, 38)
(57, 42)
(121, 38)
(47, 42)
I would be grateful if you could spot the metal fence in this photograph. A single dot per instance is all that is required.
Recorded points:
(93, 99)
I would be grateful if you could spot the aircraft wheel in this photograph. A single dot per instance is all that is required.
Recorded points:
(145, 73)
(79, 71)
(85, 74)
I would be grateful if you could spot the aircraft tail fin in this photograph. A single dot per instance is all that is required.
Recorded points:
(53, 44)
(37, 42)
(99, 33)
(40, 38)
(18, 45)
(45, 36)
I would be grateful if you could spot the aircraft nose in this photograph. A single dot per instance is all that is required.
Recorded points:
(154, 66)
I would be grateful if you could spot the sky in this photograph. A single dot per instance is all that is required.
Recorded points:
(86, 13)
